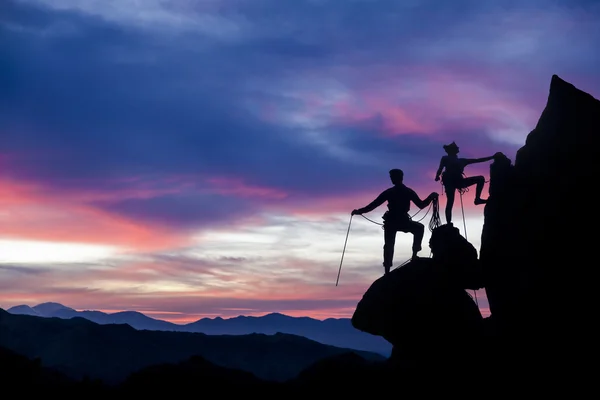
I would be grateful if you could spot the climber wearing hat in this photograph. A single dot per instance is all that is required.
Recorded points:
(453, 176)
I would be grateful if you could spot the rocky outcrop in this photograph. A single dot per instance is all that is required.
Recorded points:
(537, 241)
(422, 307)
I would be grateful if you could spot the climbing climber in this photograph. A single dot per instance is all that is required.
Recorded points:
(453, 177)
(397, 218)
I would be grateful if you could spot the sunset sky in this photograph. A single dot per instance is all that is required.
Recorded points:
(201, 158)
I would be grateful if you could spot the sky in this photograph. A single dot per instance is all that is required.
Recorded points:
(191, 159)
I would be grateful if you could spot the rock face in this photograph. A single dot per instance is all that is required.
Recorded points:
(422, 307)
(536, 239)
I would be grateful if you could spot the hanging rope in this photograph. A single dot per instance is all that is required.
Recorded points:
(375, 222)
(435, 216)
(343, 251)
(411, 217)
(434, 222)
(461, 191)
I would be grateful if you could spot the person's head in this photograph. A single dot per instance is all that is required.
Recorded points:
(397, 176)
(451, 149)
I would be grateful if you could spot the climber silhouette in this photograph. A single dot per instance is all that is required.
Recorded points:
(396, 218)
(453, 177)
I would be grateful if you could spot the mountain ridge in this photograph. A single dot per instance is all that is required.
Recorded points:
(80, 348)
(337, 332)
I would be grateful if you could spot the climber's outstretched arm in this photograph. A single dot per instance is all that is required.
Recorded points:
(422, 203)
(468, 161)
(373, 205)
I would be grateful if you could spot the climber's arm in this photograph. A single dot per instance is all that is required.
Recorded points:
(468, 161)
(440, 168)
(373, 205)
(422, 203)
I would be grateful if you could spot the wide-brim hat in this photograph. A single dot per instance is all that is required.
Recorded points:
(451, 147)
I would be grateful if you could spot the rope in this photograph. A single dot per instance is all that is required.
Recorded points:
(411, 217)
(461, 191)
(375, 222)
(409, 260)
(435, 216)
(343, 251)
(433, 223)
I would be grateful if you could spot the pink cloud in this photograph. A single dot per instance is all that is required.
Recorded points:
(184, 289)
(31, 213)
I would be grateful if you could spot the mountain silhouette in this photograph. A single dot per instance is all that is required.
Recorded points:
(111, 352)
(135, 319)
(331, 331)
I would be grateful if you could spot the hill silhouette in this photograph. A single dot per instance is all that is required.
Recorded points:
(337, 332)
(191, 374)
(79, 348)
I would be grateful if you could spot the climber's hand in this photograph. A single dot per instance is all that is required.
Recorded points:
(355, 212)
(498, 154)
(435, 195)
(437, 178)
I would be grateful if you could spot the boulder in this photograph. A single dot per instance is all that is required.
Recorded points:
(422, 308)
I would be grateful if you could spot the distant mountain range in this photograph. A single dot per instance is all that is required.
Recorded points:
(79, 348)
(332, 331)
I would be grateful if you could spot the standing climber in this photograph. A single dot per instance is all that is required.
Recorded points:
(454, 179)
(397, 218)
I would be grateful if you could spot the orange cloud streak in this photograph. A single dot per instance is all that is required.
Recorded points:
(30, 213)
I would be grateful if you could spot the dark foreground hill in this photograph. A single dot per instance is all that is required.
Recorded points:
(79, 348)
(343, 374)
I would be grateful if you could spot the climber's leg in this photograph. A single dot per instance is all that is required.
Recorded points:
(475, 180)
(389, 241)
(418, 230)
(450, 191)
